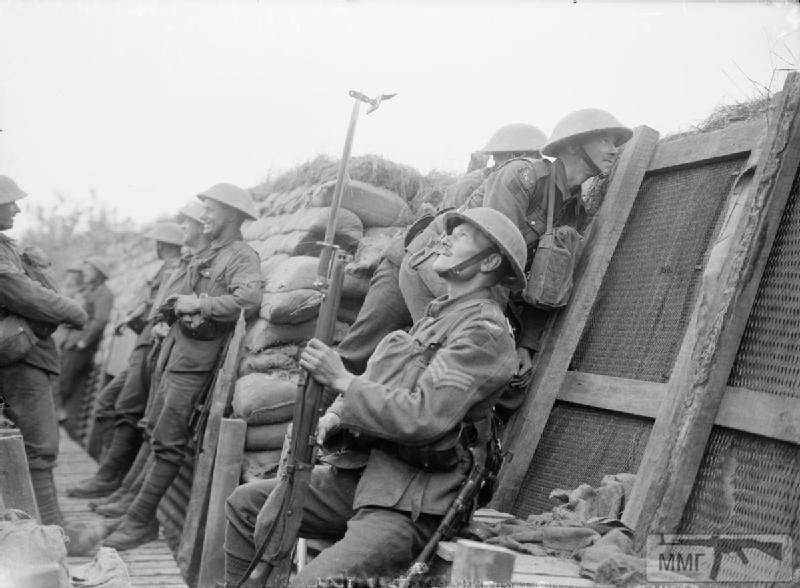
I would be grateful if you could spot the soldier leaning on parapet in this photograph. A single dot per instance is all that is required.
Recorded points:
(79, 347)
(424, 405)
(218, 284)
(29, 364)
(120, 404)
(196, 242)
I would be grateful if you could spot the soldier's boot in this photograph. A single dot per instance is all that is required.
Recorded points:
(44, 489)
(130, 483)
(118, 459)
(139, 525)
(119, 507)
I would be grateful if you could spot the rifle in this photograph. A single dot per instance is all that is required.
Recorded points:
(453, 519)
(286, 501)
(724, 545)
(202, 406)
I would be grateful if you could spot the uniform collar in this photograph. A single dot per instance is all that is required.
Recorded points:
(6, 239)
(216, 245)
(444, 304)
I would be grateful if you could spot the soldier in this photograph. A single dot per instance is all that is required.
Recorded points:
(27, 291)
(80, 346)
(425, 399)
(585, 143)
(119, 408)
(219, 282)
(191, 221)
(507, 142)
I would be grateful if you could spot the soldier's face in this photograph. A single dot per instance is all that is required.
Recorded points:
(192, 231)
(215, 217)
(7, 213)
(602, 150)
(464, 242)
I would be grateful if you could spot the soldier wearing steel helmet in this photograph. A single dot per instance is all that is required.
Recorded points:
(423, 403)
(79, 346)
(507, 142)
(219, 282)
(190, 219)
(584, 144)
(121, 403)
(27, 291)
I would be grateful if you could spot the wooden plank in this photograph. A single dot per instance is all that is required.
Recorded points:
(726, 294)
(227, 472)
(15, 478)
(750, 411)
(635, 397)
(528, 423)
(475, 563)
(735, 140)
(191, 544)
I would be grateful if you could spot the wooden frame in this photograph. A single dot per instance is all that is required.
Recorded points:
(696, 396)
(730, 281)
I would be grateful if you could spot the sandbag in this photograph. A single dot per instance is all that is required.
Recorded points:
(372, 248)
(32, 554)
(375, 206)
(292, 307)
(258, 465)
(263, 334)
(265, 437)
(300, 272)
(276, 358)
(268, 265)
(348, 225)
(259, 399)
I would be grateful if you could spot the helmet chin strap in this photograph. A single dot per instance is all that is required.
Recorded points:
(454, 273)
(588, 161)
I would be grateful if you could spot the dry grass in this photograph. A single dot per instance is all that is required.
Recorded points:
(725, 115)
(401, 179)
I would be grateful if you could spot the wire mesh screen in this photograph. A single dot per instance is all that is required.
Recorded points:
(647, 296)
(769, 352)
(580, 445)
(746, 485)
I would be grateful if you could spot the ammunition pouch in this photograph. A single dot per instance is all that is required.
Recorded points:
(17, 339)
(200, 329)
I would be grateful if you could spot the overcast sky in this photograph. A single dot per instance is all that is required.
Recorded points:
(147, 103)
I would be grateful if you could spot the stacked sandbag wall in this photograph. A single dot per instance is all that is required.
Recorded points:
(287, 237)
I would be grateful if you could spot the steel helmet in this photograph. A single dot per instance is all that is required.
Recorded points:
(100, 265)
(232, 196)
(582, 124)
(515, 137)
(9, 191)
(193, 210)
(502, 232)
(166, 232)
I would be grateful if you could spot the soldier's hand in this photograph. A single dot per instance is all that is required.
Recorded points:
(524, 375)
(160, 330)
(80, 345)
(187, 304)
(328, 424)
(325, 365)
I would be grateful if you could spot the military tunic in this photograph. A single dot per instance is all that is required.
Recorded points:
(26, 384)
(418, 390)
